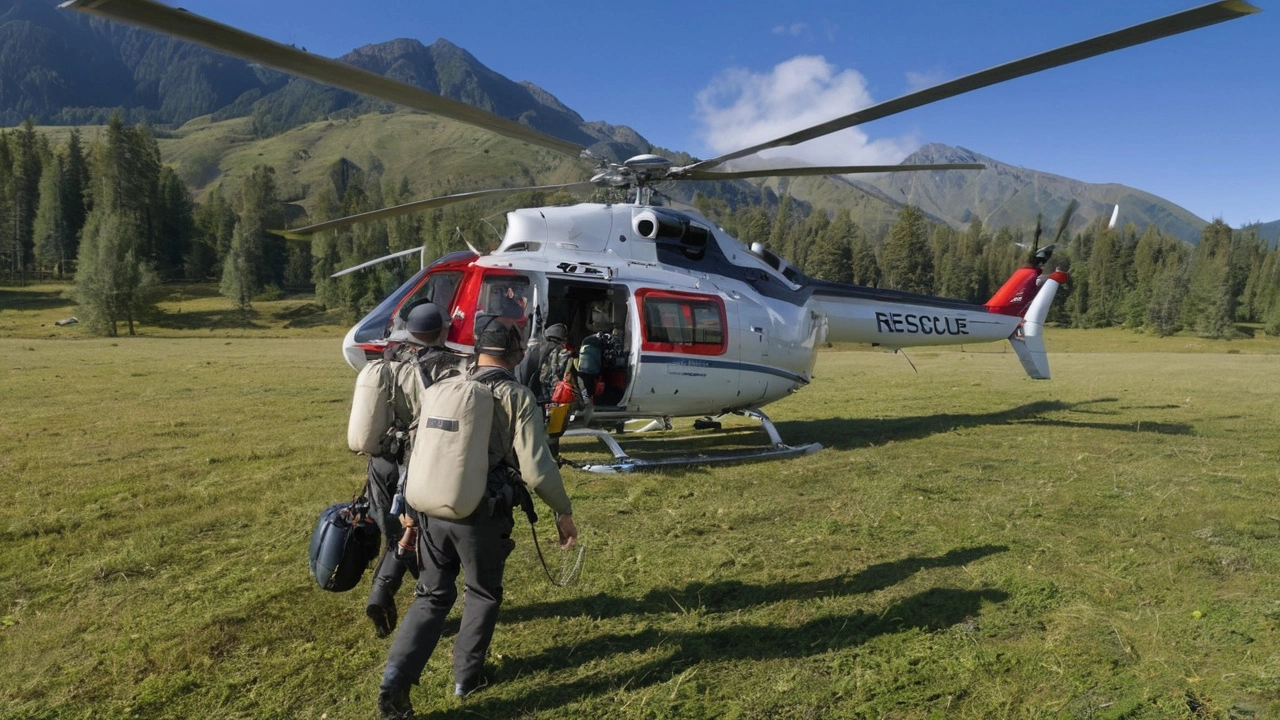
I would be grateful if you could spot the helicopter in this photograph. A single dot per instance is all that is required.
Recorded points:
(705, 326)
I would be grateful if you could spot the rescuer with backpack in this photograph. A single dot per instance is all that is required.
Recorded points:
(480, 448)
(415, 363)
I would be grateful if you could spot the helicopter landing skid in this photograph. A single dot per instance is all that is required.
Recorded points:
(622, 462)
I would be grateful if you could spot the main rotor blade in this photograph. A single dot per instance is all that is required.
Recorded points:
(231, 41)
(303, 233)
(807, 171)
(371, 263)
(1146, 32)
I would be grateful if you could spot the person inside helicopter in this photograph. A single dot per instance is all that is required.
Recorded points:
(508, 300)
(599, 357)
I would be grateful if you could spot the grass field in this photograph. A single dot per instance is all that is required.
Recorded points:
(970, 544)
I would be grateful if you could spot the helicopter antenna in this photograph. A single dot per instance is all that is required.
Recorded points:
(900, 351)
(458, 234)
(485, 220)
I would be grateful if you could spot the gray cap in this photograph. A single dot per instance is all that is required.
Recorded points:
(556, 333)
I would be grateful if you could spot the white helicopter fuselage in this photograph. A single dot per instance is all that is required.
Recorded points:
(704, 324)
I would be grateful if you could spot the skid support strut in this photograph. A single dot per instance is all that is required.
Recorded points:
(622, 462)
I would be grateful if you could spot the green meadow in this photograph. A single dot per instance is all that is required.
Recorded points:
(968, 544)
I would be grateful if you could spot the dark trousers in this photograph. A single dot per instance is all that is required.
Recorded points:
(384, 476)
(479, 543)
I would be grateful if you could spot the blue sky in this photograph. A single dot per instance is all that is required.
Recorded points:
(1194, 118)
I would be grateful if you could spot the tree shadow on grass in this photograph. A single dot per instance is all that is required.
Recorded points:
(931, 610)
(229, 318)
(310, 315)
(733, 595)
(28, 300)
(851, 433)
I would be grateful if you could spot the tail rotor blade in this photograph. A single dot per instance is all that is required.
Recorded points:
(1065, 220)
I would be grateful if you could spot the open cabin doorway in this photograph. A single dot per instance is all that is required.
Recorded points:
(598, 332)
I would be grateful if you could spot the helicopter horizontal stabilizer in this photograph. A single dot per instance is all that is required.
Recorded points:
(1031, 354)
(1028, 339)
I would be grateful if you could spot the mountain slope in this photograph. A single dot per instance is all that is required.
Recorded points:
(1268, 231)
(1004, 194)
(64, 68)
(61, 67)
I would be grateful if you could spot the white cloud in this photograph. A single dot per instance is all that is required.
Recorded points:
(740, 108)
(794, 29)
(922, 80)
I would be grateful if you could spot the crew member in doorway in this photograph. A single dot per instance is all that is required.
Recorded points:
(599, 353)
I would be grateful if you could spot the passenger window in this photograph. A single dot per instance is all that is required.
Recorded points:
(682, 323)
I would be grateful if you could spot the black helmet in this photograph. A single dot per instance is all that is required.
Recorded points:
(498, 337)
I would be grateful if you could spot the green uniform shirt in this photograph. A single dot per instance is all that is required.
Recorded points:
(520, 438)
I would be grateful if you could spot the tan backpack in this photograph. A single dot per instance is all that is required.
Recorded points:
(385, 399)
(449, 465)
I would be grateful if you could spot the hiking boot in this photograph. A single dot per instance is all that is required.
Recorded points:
(467, 687)
(393, 704)
(383, 616)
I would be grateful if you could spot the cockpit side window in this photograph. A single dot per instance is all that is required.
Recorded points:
(505, 296)
(439, 288)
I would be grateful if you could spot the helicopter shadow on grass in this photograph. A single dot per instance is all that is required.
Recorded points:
(853, 433)
(856, 433)
(932, 610)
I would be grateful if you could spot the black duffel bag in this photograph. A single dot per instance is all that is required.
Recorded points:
(345, 541)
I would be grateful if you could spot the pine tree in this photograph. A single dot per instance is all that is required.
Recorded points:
(906, 259)
(830, 256)
(863, 265)
(10, 246)
(215, 222)
(177, 227)
(114, 275)
(112, 284)
(1106, 279)
(239, 280)
(27, 169)
(1168, 293)
(1209, 306)
(256, 258)
(75, 189)
(52, 236)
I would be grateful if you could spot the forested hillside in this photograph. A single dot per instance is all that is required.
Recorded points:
(112, 215)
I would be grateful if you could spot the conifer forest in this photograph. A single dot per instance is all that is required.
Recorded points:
(115, 220)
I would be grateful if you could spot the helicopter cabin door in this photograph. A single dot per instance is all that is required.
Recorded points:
(597, 326)
(684, 365)
(753, 338)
